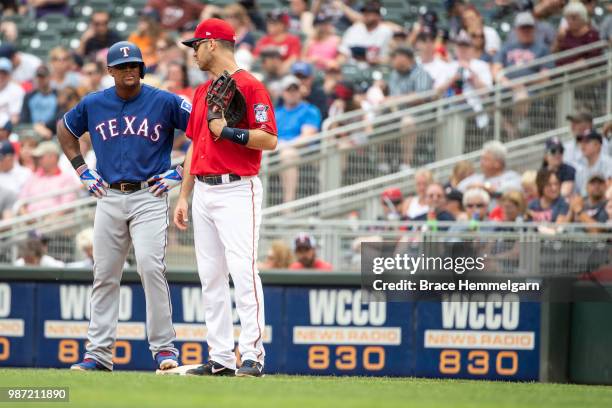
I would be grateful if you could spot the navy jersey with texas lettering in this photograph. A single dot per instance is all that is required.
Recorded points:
(132, 139)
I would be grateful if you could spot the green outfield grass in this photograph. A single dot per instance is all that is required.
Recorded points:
(137, 389)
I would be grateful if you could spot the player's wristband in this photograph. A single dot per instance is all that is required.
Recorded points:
(240, 136)
(77, 162)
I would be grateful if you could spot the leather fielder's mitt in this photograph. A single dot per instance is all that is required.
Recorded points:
(227, 99)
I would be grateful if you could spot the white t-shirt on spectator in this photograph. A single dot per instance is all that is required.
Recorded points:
(15, 178)
(26, 70)
(439, 70)
(492, 40)
(483, 72)
(572, 154)
(376, 41)
(507, 181)
(11, 101)
(45, 261)
(603, 166)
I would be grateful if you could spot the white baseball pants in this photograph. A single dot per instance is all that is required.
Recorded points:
(226, 220)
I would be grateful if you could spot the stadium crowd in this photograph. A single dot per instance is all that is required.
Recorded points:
(301, 53)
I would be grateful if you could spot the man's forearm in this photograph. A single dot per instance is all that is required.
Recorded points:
(261, 140)
(188, 178)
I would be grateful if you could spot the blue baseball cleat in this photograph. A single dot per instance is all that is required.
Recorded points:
(166, 360)
(250, 368)
(88, 364)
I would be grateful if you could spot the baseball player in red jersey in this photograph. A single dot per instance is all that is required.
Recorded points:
(221, 169)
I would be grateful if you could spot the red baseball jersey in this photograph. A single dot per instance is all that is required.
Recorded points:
(223, 156)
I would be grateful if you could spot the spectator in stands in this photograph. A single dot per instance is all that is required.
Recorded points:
(12, 175)
(27, 146)
(24, 64)
(437, 68)
(609, 204)
(259, 23)
(579, 32)
(407, 77)
(175, 14)
(553, 160)
(593, 209)
(279, 256)
(47, 178)
(94, 78)
(471, 75)
(436, 205)
(472, 20)
(478, 38)
(84, 243)
(11, 94)
(300, 17)
(343, 13)
(297, 121)
(344, 101)
(148, 32)
(237, 16)
(476, 202)
(312, 92)
(513, 206)
(529, 186)
(62, 74)
(369, 34)
(454, 203)
(461, 171)
(40, 105)
(391, 201)
(522, 50)
(271, 65)
(305, 250)
(494, 176)
(416, 205)
(550, 204)
(322, 47)
(34, 252)
(67, 97)
(278, 38)
(177, 81)
(605, 29)
(7, 200)
(595, 161)
(98, 35)
(580, 123)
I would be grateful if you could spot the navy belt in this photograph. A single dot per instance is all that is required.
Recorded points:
(215, 180)
(130, 186)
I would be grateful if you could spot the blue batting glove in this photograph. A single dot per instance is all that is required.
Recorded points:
(92, 181)
(166, 181)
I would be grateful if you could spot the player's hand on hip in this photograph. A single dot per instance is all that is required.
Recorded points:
(92, 181)
(165, 181)
(181, 214)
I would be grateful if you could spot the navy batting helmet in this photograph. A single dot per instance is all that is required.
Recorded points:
(122, 52)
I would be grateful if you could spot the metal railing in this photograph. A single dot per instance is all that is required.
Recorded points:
(370, 144)
(364, 197)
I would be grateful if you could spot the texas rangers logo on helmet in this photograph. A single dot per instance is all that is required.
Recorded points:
(125, 51)
(261, 112)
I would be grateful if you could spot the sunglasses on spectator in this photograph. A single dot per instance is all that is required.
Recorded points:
(475, 205)
(477, 35)
(292, 88)
(555, 151)
(89, 73)
(100, 22)
(435, 195)
(60, 59)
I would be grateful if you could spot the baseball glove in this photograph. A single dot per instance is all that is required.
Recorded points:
(224, 99)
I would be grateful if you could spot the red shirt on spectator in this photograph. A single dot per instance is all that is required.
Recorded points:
(319, 265)
(176, 14)
(289, 46)
(569, 41)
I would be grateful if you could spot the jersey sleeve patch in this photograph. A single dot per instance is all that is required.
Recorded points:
(261, 112)
(186, 106)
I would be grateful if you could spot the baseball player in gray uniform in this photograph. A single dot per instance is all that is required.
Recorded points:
(132, 128)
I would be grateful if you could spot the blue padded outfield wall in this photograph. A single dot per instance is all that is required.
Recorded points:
(310, 329)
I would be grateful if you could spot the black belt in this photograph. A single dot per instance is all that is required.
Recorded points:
(130, 186)
(215, 180)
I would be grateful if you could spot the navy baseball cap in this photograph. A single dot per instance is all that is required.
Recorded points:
(6, 147)
(304, 241)
(7, 50)
(591, 134)
(301, 68)
(554, 143)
